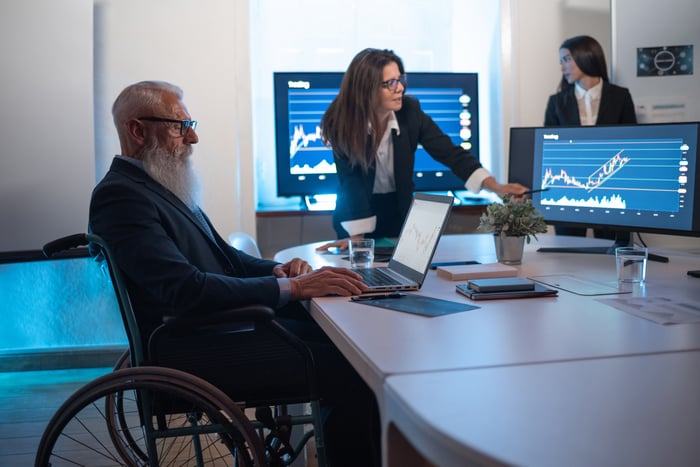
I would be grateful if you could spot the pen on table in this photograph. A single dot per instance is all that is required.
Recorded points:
(365, 298)
(529, 192)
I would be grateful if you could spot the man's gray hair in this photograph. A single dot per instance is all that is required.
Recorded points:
(140, 100)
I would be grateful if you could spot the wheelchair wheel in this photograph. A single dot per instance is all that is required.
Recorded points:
(120, 412)
(189, 422)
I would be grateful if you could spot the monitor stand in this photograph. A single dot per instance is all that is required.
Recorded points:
(601, 250)
(320, 202)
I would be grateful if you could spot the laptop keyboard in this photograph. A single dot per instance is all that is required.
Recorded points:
(373, 277)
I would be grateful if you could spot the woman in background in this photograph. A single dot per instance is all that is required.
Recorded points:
(586, 97)
(374, 130)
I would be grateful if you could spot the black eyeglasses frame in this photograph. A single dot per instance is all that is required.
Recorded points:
(393, 83)
(185, 125)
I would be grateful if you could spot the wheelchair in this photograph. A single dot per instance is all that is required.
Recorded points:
(165, 403)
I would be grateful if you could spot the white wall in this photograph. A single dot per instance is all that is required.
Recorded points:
(50, 160)
(203, 47)
(46, 163)
(476, 44)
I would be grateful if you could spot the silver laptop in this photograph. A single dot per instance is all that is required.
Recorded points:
(419, 237)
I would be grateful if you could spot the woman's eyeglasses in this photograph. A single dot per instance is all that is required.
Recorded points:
(393, 83)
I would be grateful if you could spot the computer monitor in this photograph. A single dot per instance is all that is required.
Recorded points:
(521, 155)
(305, 166)
(641, 178)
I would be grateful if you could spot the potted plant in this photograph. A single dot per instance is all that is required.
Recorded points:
(513, 222)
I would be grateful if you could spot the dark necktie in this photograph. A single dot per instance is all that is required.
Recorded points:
(203, 222)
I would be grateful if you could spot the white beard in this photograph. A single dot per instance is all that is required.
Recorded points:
(174, 171)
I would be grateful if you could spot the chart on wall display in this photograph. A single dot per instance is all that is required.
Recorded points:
(305, 164)
(309, 155)
(642, 174)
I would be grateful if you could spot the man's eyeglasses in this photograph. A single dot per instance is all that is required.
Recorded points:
(393, 83)
(185, 125)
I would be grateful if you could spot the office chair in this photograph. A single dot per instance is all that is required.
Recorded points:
(240, 355)
(244, 242)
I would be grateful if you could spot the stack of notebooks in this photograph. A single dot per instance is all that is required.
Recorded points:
(493, 281)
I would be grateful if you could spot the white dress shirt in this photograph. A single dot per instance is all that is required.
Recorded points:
(588, 103)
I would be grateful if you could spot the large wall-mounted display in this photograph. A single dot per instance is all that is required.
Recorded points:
(305, 164)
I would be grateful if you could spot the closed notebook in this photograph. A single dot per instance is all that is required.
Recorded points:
(476, 271)
(538, 291)
(500, 284)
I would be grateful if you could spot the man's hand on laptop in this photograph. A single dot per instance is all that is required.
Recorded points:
(293, 268)
(327, 281)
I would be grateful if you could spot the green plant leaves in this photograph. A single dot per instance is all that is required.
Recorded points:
(512, 217)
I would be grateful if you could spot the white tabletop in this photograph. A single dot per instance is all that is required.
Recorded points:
(564, 380)
(632, 411)
(381, 342)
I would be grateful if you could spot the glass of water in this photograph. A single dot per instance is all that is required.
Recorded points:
(631, 263)
(361, 252)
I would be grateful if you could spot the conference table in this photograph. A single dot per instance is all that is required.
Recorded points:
(565, 380)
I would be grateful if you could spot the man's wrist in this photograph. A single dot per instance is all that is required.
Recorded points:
(295, 289)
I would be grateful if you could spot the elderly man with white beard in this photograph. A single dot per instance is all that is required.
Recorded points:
(175, 263)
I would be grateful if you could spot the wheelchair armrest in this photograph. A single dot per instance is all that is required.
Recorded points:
(246, 313)
(64, 243)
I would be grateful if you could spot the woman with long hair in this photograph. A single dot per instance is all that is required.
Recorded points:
(374, 129)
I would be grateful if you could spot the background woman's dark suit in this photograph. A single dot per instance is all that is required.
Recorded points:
(616, 107)
(355, 199)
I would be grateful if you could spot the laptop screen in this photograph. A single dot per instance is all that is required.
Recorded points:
(421, 231)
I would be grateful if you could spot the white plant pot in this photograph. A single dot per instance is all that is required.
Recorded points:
(509, 250)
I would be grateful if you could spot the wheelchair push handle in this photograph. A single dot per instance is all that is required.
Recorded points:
(64, 243)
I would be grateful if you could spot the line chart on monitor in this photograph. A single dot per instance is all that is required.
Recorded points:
(642, 174)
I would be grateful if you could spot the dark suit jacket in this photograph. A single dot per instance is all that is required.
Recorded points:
(355, 187)
(616, 107)
(171, 265)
